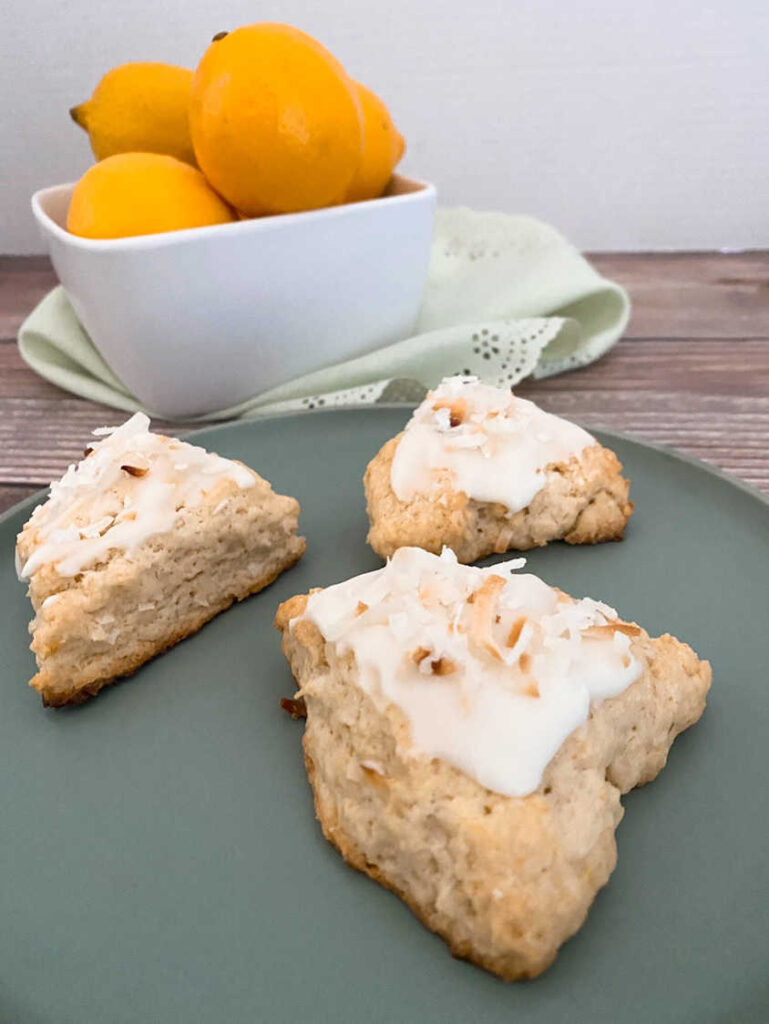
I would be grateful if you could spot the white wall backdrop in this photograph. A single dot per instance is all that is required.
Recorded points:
(629, 124)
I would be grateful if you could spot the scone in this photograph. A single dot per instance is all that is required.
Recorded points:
(481, 471)
(139, 545)
(469, 734)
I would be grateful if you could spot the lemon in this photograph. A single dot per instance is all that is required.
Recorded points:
(143, 194)
(139, 108)
(275, 121)
(383, 146)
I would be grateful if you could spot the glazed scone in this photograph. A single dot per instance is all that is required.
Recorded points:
(139, 545)
(481, 471)
(469, 733)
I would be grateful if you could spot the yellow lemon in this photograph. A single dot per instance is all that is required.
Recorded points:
(143, 194)
(139, 108)
(275, 120)
(383, 146)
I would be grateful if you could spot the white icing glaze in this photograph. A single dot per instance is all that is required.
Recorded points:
(98, 506)
(494, 684)
(495, 447)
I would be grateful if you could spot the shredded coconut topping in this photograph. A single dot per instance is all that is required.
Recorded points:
(129, 486)
(492, 669)
(494, 446)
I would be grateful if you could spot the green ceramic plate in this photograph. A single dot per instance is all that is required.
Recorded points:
(159, 858)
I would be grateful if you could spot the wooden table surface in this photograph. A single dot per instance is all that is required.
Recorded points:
(692, 370)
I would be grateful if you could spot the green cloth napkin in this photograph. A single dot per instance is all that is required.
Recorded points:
(506, 297)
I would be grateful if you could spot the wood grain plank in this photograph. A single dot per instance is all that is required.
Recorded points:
(24, 280)
(693, 295)
(721, 365)
(674, 295)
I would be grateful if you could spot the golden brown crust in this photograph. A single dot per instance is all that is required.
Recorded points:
(584, 501)
(290, 609)
(504, 880)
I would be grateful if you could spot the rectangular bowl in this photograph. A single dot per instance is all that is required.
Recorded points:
(198, 320)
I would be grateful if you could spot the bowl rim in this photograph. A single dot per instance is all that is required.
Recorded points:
(424, 190)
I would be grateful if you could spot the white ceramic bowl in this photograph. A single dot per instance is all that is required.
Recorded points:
(194, 321)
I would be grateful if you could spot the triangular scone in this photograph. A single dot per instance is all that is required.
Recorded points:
(481, 471)
(469, 733)
(138, 546)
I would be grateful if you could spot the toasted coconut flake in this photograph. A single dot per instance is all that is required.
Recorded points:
(491, 648)
(628, 628)
(294, 706)
(487, 593)
(532, 690)
(608, 630)
(136, 465)
(443, 666)
(419, 655)
(524, 662)
(97, 529)
(484, 601)
(604, 632)
(88, 450)
(361, 608)
(515, 631)
(457, 409)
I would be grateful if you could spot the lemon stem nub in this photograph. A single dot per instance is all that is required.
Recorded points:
(218, 36)
(78, 114)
